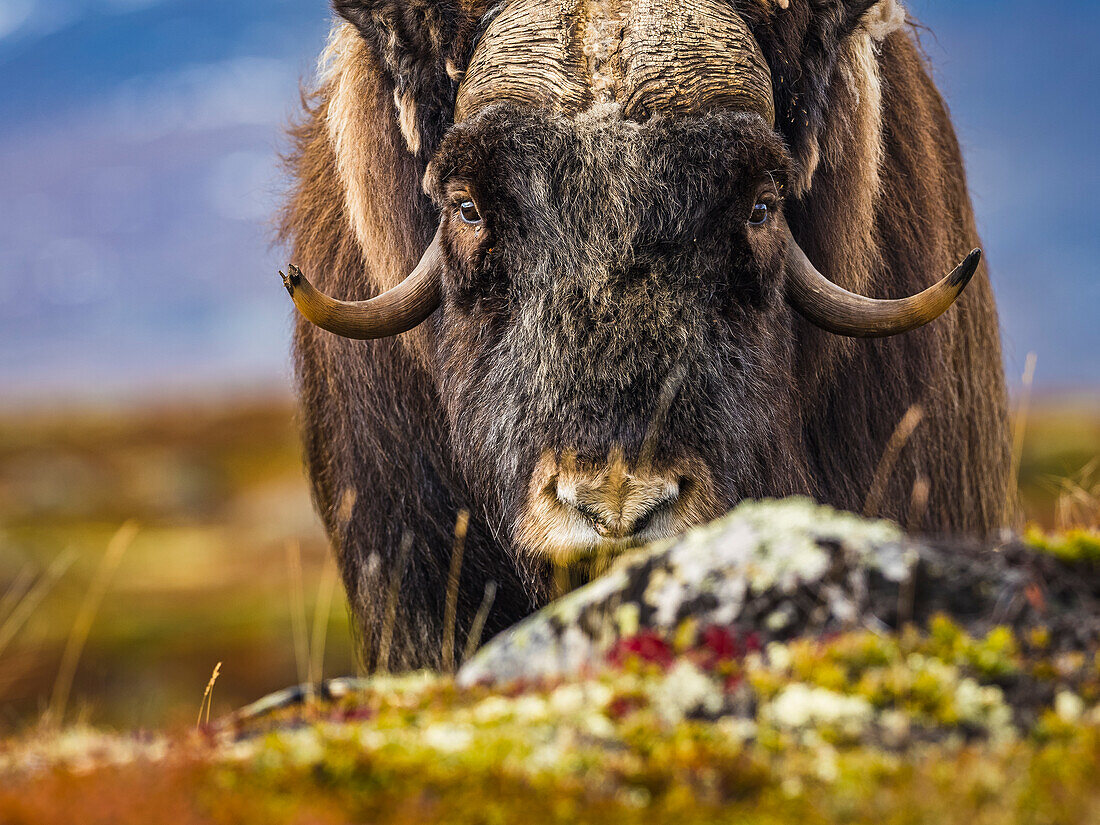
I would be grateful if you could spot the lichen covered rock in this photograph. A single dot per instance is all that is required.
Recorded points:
(792, 569)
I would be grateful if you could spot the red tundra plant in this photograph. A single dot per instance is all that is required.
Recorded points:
(645, 647)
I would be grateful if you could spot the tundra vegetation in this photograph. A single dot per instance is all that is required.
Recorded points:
(859, 727)
(612, 330)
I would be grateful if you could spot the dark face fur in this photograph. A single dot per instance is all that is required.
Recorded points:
(613, 331)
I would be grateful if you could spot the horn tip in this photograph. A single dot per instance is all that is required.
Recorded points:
(961, 276)
(291, 280)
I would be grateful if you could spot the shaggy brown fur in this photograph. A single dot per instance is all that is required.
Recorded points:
(878, 201)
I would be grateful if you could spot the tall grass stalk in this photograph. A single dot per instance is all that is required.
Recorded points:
(27, 604)
(17, 589)
(208, 695)
(473, 640)
(116, 548)
(918, 503)
(1019, 433)
(450, 610)
(1077, 506)
(321, 612)
(298, 610)
(902, 433)
(385, 639)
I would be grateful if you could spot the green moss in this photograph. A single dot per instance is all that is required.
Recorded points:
(1071, 546)
(995, 657)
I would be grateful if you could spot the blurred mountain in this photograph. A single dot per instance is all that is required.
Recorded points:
(139, 145)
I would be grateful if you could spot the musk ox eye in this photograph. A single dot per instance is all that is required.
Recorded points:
(467, 210)
(759, 215)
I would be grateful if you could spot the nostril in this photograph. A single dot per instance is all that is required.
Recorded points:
(566, 494)
(656, 508)
(597, 521)
(624, 511)
(640, 525)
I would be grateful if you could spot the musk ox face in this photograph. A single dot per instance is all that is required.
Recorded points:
(613, 344)
(612, 276)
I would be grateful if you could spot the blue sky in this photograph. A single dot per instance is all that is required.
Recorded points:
(138, 174)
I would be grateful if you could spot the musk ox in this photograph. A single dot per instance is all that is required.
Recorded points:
(579, 238)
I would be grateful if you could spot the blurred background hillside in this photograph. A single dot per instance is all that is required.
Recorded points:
(144, 333)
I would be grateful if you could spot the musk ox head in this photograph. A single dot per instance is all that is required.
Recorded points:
(612, 280)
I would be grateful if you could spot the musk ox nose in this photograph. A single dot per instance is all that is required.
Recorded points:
(619, 504)
(577, 509)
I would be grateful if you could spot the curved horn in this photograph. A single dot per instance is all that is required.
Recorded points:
(395, 311)
(837, 310)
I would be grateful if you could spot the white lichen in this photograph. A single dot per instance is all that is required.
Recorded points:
(1069, 706)
(685, 690)
(800, 706)
(447, 738)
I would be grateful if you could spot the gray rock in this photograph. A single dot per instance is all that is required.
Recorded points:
(792, 568)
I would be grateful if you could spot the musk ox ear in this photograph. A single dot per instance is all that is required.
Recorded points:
(811, 46)
(422, 45)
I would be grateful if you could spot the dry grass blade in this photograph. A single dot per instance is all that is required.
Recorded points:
(918, 503)
(385, 639)
(116, 548)
(669, 389)
(26, 606)
(563, 580)
(366, 630)
(321, 611)
(17, 589)
(918, 506)
(473, 640)
(1078, 500)
(450, 611)
(14, 669)
(1019, 432)
(208, 696)
(298, 610)
(902, 433)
